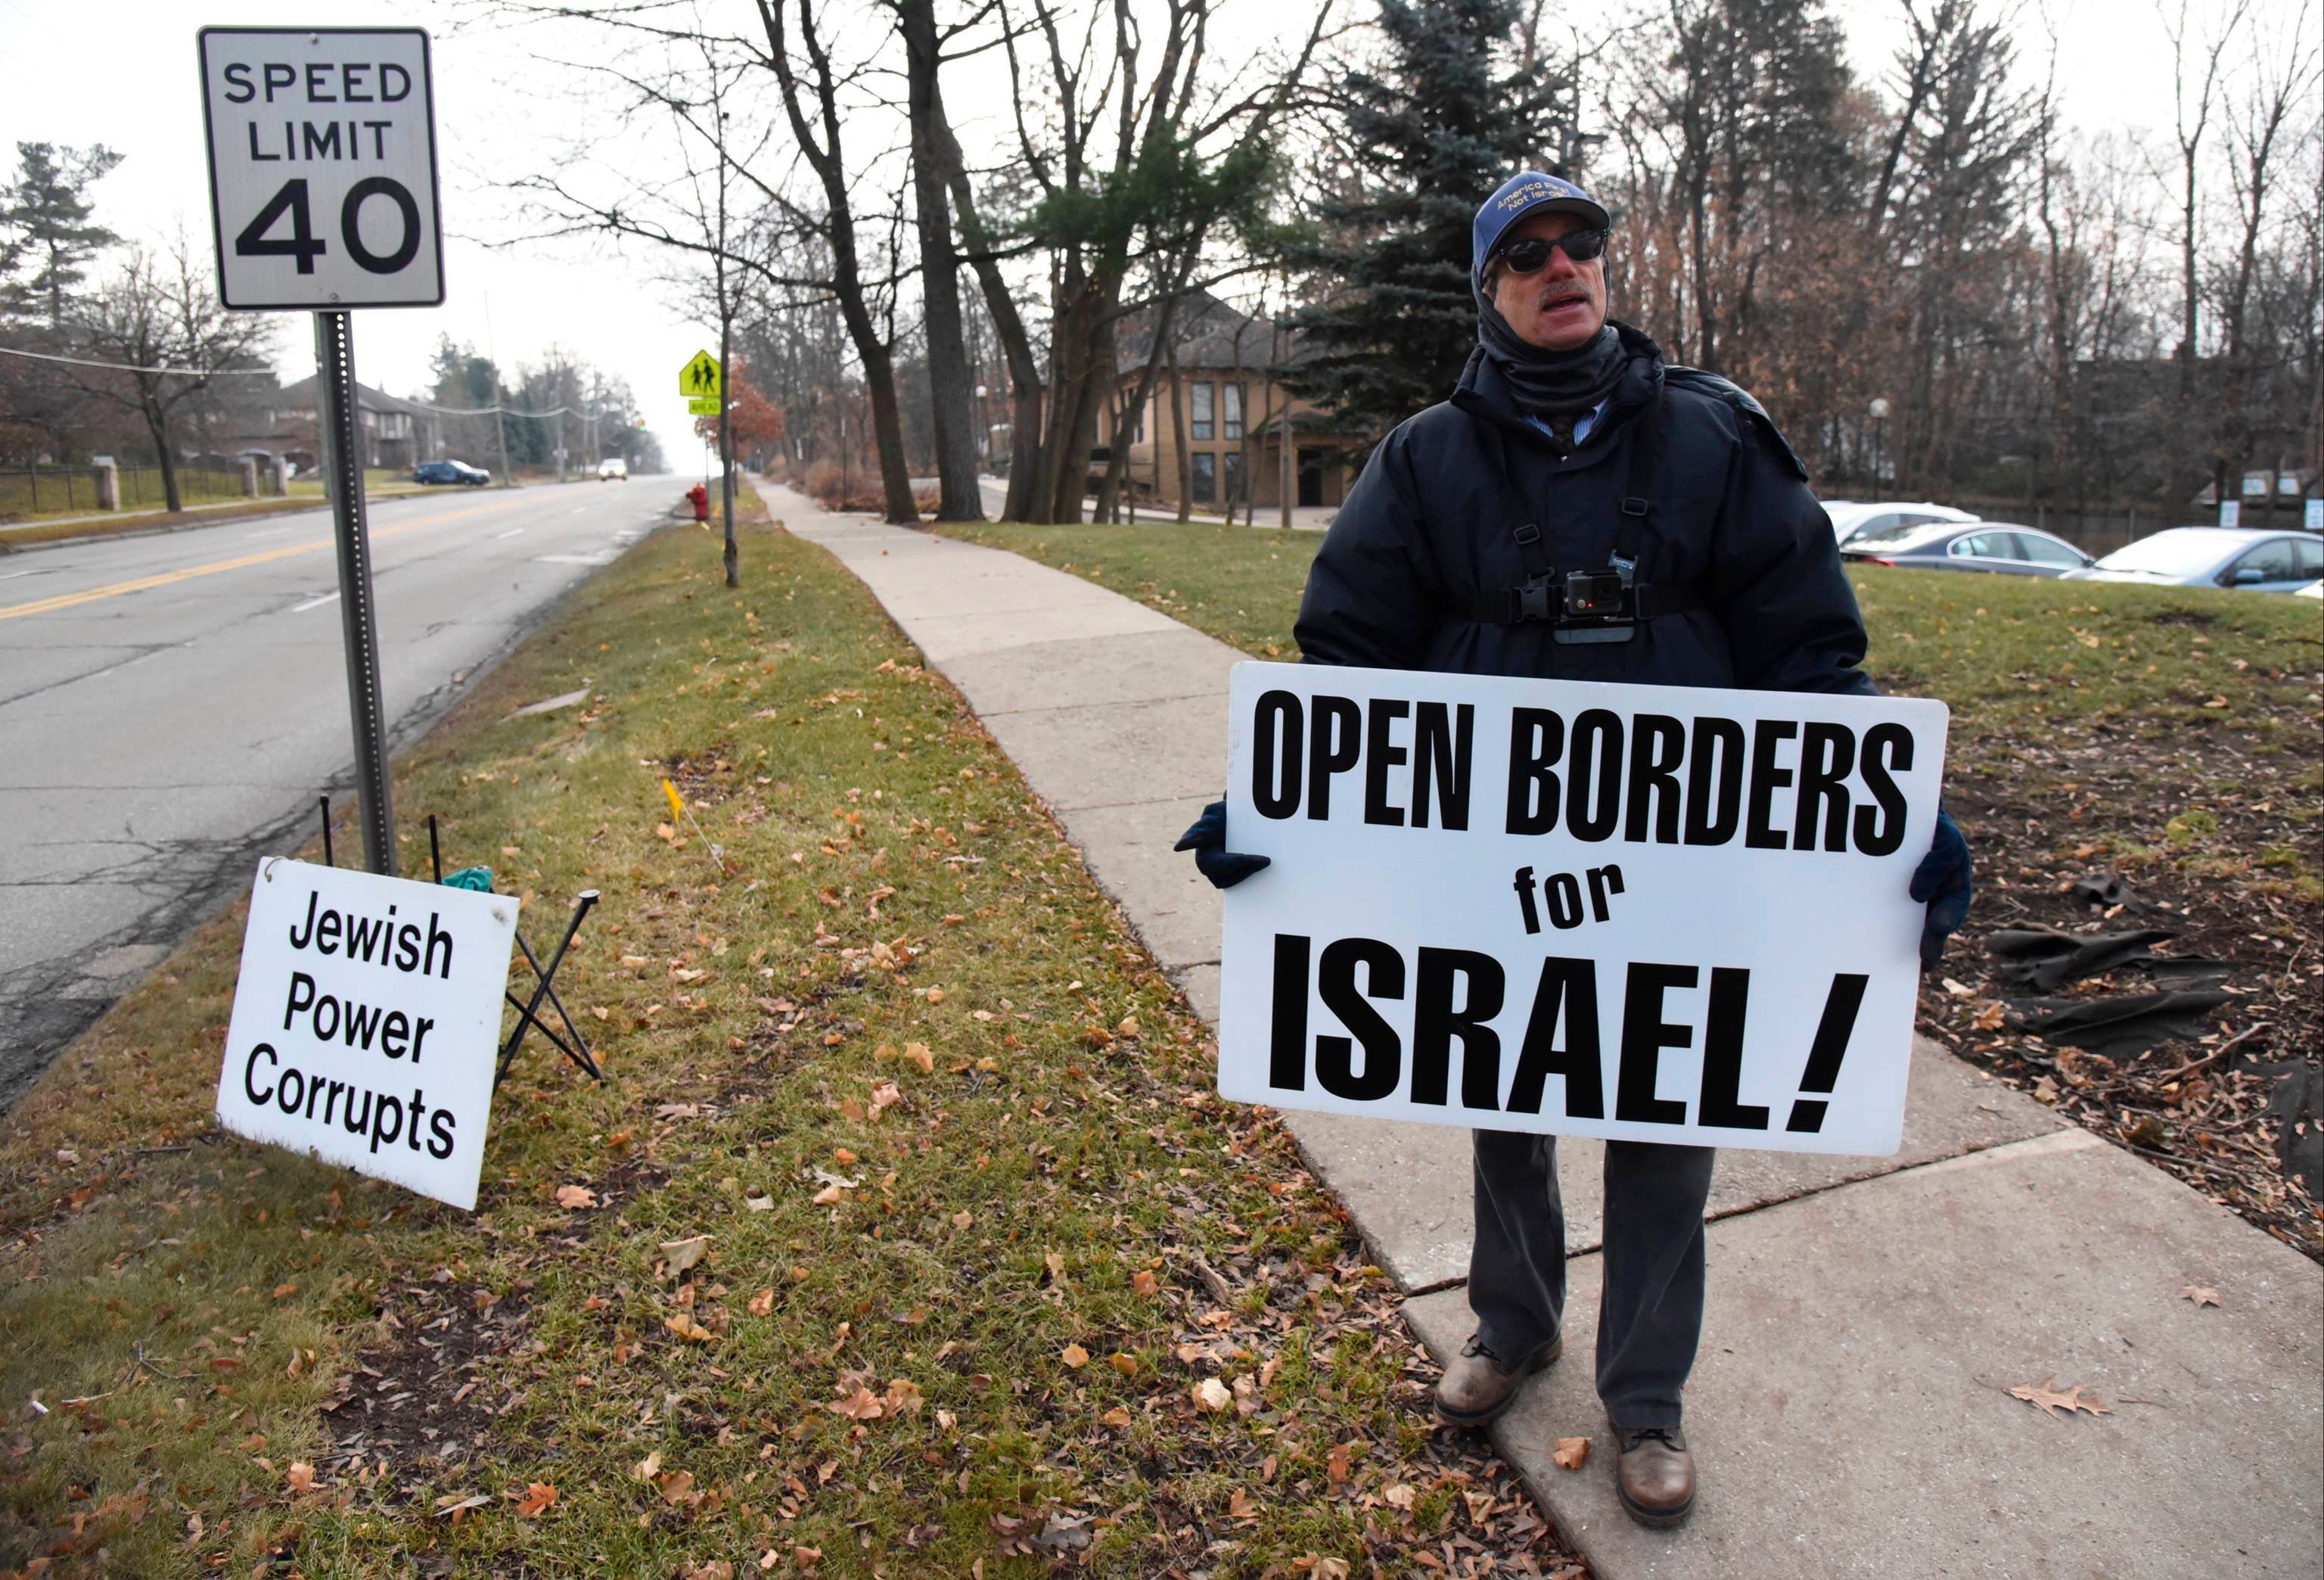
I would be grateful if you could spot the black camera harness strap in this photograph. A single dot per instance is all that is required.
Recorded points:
(1603, 604)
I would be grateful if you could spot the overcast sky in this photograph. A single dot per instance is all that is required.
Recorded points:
(124, 72)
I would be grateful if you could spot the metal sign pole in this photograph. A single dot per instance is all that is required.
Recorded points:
(335, 378)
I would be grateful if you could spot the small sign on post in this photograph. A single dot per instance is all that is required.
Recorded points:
(322, 161)
(1641, 912)
(367, 1023)
(2313, 516)
(702, 379)
(2231, 513)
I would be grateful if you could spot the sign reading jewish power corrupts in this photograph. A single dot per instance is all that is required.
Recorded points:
(366, 1020)
(1642, 912)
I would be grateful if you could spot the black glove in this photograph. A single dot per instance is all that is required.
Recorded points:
(1942, 881)
(1208, 840)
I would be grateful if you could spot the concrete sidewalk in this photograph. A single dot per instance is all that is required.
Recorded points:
(1849, 1412)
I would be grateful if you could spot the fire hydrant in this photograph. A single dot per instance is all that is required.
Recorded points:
(699, 497)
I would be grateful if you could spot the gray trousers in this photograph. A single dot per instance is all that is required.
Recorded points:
(1651, 1315)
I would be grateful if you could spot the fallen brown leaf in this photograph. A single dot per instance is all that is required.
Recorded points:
(576, 1196)
(859, 1404)
(762, 1302)
(682, 1254)
(539, 1496)
(1074, 1357)
(299, 1477)
(1211, 1396)
(2200, 1294)
(2045, 1394)
(1569, 1451)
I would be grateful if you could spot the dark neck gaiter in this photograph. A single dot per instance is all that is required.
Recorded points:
(1558, 386)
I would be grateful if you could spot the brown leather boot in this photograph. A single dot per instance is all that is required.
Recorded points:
(1654, 1474)
(1476, 1388)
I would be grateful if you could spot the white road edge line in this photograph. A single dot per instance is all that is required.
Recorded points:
(12, 575)
(313, 603)
(512, 533)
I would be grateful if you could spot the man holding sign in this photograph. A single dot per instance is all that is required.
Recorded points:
(1709, 876)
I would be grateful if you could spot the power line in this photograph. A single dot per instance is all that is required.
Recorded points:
(269, 373)
(202, 373)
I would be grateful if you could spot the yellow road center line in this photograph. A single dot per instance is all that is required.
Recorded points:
(165, 579)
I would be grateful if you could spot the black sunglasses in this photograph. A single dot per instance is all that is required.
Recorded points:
(1524, 257)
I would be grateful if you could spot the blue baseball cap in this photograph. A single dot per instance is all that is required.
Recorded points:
(1527, 192)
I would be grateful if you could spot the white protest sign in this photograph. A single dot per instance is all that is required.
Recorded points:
(1642, 912)
(366, 1020)
(322, 153)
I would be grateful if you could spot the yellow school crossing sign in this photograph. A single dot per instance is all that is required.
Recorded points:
(701, 378)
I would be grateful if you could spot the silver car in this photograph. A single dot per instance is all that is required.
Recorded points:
(2253, 559)
(1852, 518)
(2002, 548)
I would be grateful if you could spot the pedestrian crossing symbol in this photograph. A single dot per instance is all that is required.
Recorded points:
(701, 379)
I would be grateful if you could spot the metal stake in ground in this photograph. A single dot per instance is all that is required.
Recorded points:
(335, 364)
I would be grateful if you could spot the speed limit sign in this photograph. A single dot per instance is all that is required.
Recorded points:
(322, 146)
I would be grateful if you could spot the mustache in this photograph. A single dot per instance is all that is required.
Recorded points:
(1553, 295)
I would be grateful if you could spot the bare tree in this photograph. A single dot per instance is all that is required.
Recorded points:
(811, 102)
(949, 380)
(161, 318)
(2192, 105)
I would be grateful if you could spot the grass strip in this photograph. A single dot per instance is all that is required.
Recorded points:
(2168, 737)
(906, 1233)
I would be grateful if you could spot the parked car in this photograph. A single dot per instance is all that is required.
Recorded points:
(613, 469)
(450, 472)
(2250, 558)
(2000, 547)
(1852, 518)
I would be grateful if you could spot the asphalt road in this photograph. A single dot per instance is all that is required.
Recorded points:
(171, 706)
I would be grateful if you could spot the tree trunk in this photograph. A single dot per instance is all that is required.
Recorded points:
(1016, 345)
(734, 560)
(1117, 466)
(157, 423)
(1063, 467)
(950, 383)
(1185, 462)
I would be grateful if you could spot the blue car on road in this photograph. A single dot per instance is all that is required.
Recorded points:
(450, 472)
(2252, 558)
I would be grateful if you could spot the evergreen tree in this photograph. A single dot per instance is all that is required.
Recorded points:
(46, 215)
(1444, 117)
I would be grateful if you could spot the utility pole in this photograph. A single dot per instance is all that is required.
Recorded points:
(500, 417)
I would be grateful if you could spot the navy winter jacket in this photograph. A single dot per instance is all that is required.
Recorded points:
(1420, 560)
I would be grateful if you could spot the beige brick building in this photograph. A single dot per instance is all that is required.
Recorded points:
(1228, 418)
